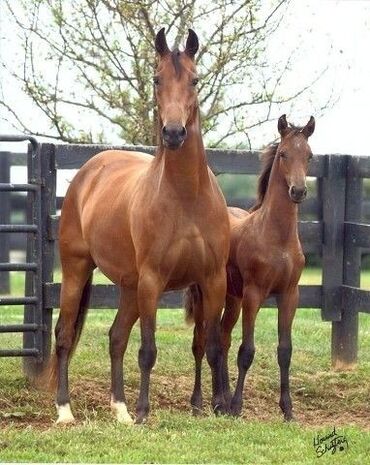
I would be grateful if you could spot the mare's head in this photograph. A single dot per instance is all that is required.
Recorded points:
(175, 83)
(293, 154)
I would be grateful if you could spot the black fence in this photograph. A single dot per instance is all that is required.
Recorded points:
(334, 231)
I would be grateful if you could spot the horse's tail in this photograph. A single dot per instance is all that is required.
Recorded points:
(192, 299)
(49, 377)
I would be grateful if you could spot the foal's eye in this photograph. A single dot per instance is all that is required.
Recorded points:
(194, 82)
(282, 155)
(155, 80)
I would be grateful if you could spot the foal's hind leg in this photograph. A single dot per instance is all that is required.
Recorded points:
(75, 281)
(229, 319)
(119, 334)
(198, 349)
(251, 304)
(287, 305)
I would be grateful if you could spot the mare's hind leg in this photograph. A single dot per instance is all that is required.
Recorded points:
(77, 273)
(119, 335)
(229, 319)
(287, 304)
(251, 304)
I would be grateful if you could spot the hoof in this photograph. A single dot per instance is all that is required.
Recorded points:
(141, 420)
(235, 409)
(220, 409)
(196, 411)
(65, 416)
(121, 413)
(288, 416)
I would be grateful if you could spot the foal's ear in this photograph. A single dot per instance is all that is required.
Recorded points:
(308, 130)
(192, 44)
(161, 43)
(282, 125)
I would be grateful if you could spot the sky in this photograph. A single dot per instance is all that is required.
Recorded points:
(332, 33)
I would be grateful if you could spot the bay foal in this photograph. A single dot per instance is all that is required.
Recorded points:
(265, 258)
(150, 224)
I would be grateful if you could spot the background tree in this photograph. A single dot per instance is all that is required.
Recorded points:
(87, 65)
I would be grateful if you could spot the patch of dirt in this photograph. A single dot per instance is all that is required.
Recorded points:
(90, 399)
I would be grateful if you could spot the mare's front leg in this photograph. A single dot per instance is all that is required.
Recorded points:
(148, 292)
(229, 319)
(251, 303)
(213, 293)
(287, 305)
(119, 335)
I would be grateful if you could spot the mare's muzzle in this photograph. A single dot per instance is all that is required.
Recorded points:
(297, 194)
(173, 136)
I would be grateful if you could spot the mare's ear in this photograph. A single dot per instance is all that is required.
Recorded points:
(282, 125)
(192, 44)
(161, 43)
(308, 130)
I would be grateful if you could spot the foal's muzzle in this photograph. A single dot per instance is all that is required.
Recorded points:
(173, 136)
(297, 194)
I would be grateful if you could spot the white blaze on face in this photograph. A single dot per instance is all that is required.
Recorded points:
(65, 415)
(121, 412)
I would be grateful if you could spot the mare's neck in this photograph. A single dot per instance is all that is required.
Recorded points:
(185, 168)
(277, 211)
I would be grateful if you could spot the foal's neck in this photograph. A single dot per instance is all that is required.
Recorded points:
(185, 168)
(278, 211)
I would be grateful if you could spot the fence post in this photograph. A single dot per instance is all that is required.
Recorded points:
(345, 331)
(5, 219)
(333, 197)
(33, 367)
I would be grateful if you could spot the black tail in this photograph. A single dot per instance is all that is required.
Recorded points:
(48, 378)
(82, 313)
(192, 298)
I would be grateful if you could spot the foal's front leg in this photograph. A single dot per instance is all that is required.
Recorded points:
(287, 305)
(148, 292)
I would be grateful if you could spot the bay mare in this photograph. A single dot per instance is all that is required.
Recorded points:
(150, 225)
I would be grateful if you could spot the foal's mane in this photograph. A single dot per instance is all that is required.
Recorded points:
(267, 158)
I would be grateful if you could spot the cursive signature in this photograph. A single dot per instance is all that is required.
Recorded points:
(331, 442)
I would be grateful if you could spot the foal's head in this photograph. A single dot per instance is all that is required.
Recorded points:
(175, 83)
(293, 154)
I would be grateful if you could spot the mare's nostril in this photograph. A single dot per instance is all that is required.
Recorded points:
(183, 132)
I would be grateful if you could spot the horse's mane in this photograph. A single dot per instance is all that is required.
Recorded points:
(267, 158)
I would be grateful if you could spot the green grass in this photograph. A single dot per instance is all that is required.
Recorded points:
(321, 397)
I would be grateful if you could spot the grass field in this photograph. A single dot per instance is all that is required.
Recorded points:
(322, 399)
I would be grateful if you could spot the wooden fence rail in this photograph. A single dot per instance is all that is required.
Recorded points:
(337, 233)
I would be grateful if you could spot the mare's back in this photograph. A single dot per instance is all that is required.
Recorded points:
(106, 177)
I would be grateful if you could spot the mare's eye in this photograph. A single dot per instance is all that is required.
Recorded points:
(194, 81)
(310, 157)
(156, 80)
(282, 155)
